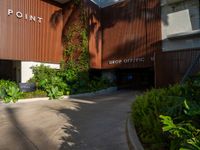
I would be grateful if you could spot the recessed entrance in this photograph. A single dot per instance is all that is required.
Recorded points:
(135, 78)
(10, 70)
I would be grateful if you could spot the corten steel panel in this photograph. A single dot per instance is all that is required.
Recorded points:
(153, 29)
(95, 35)
(124, 34)
(23, 39)
(170, 67)
(130, 32)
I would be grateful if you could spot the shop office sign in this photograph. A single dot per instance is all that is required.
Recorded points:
(24, 16)
(127, 61)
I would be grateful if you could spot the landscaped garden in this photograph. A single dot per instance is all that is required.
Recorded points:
(169, 118)
(54, 84)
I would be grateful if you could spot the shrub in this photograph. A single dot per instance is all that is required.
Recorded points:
(9, 91)
(49, 80)
(184, 135)
(66, 81)
(193, 87)
(177, 108)
(147, 109)
(145, 114)
(42, 73)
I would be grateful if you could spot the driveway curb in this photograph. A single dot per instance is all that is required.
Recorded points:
(104, 91)
(132, 138)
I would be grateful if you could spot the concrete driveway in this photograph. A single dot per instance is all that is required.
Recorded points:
(82, 123)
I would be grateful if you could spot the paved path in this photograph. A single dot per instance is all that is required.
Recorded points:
(84, 123)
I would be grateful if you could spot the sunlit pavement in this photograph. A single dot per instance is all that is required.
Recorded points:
(83, 123)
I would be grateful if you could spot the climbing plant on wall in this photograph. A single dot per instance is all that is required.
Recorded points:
(76, 40)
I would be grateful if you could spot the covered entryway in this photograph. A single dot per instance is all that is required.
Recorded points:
(10, 70)
(135, 78)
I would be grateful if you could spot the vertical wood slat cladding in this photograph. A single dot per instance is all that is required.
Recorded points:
(130, 30)
(26, 40)
(95, 35)
(153, 29)
(124, 35)
(170, 67)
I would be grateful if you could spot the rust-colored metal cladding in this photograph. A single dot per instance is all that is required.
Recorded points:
(170, 67)
(126, 34)
(95, 35)
(153, 30)
(29, 31)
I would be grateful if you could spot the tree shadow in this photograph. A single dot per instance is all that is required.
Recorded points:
(119, 21)
(71, 138)
(17, 131)
(124, 29)
(25, 136)
(68, 140)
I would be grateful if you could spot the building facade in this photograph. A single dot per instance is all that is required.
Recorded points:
(28, 37)
(130, 40)
(180, 41)
(160, 35)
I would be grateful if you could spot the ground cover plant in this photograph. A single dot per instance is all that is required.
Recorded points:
(34, 94)
(9, 91)
(169, 118)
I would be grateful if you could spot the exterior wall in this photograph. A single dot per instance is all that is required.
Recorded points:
(95, 35)
(180, 18)
(26, 71)
(125, 35)
(170, 67)
(181, 41)
(25, 36)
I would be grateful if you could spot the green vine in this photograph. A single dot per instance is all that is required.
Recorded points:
(76, 42)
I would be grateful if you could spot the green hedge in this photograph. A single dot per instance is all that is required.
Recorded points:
(159, 114)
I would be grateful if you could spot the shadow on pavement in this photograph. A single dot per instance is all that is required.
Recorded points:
(17, 131)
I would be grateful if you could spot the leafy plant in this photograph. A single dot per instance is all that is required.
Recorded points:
(148, 107)
(42, 72)
(9, 91)
(178, 107)
(185, 136)
(54, 92)
(192, 109)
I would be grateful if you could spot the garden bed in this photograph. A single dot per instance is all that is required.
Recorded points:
(169, 118)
